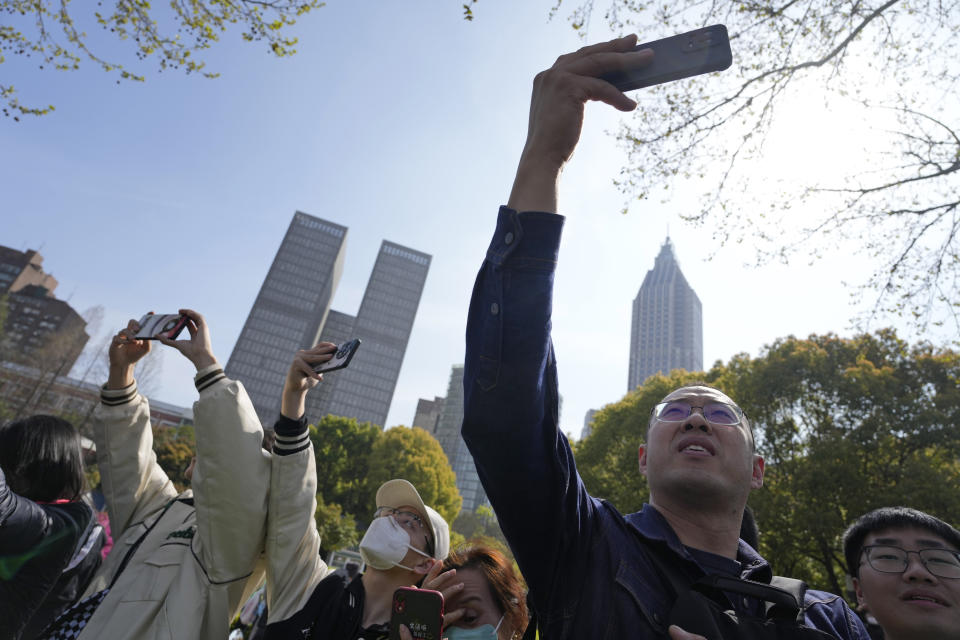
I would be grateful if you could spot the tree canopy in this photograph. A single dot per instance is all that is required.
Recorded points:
(845, 426)
(354, 459)
(175, 34)
(415, 455)
(884, 71)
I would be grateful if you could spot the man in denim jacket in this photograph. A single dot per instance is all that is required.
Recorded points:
(589, 568)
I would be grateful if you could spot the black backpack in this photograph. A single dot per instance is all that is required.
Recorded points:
(702, 607)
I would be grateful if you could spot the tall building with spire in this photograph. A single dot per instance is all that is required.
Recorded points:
(667, 328)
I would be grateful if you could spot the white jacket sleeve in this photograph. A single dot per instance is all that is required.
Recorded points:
(294, 566)
(231, 479)
(134, 485)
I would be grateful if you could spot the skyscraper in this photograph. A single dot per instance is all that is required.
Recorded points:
(667, 328)
(292, 311)
(289, 311)
(384, 321)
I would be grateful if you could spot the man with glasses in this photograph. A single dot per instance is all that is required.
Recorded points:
(906, 572)
(404, 542)
(592, 572)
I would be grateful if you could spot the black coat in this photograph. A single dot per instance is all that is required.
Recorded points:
(48, 555)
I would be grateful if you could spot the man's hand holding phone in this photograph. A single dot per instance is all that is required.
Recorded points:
(556, 115)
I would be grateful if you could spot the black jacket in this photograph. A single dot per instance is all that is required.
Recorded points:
(48, 554)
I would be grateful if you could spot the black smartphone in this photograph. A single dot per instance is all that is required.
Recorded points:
(681, 56)
(341, 358)
(421, 610)
(154, 324)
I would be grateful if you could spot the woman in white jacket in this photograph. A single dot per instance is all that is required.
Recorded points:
(180, 561)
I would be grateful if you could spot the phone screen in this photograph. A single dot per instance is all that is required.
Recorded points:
(154, 324)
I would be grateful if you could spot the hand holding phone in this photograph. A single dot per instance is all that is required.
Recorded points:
(341, 358)
(680, 56)
(420, 610)
(153, 325)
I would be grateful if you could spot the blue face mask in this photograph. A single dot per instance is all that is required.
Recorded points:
(483, 632)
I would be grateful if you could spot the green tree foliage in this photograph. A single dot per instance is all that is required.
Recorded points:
(337, 529)
(888, 67)
(354, 459)
(175, 34)
(845, 426)
(848, 426)
(174, 447)
(342, 449)
(482, 523)
(413, 454)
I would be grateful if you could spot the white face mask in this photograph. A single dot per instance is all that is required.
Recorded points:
(385, 544)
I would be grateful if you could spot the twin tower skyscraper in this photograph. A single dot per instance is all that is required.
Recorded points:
(292, 311)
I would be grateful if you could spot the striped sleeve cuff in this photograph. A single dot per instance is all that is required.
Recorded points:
(208, 376)
(292, 436)
(116, 397)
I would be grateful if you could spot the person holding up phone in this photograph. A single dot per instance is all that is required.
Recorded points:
(405, 540)
(592, 572)
(180, 561)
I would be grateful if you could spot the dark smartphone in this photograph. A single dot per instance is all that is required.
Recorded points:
(154, 324)
(341, 358)
(421, 610)
(676, 57)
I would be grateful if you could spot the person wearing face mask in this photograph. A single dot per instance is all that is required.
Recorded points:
(405, 540)
(492, 599)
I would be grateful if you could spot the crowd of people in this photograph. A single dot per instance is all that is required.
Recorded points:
(684, 567)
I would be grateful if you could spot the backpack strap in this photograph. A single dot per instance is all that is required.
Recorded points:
(797, 588)
(781, 604)
(783, 596)
(136, 545)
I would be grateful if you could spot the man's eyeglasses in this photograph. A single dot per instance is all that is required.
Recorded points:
(714, 412)
(407, 520)
(944, 563)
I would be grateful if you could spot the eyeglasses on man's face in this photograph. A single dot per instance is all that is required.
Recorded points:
(408, 520)
(944, 563)
(713, 412)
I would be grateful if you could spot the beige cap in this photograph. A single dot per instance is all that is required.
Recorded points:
(398, 493)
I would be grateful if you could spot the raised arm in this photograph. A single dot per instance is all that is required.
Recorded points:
(556, 115)
(510, 378)
(134, 485)
(231, 479)
(294, 566)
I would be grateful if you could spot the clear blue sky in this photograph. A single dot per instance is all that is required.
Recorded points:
(400, 121)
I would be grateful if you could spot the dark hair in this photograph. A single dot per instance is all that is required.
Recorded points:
(351, 569)
(505, 586)
(700, 383)
(41, 458)
(889, 518)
